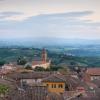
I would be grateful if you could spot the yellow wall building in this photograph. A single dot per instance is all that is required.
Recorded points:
(54, 84)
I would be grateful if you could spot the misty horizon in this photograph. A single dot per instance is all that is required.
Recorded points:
(47, 42)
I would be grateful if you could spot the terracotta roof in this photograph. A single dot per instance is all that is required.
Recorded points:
(10, 83)
(48, 76)
(34, 93)
(70, 81)
(29, 75)
(55, 96)
(54, 78)
(93, 71)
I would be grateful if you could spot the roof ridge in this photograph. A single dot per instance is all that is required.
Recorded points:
(60, 77)
(54, 76)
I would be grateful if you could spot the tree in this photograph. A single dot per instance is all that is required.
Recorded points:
(2, 62)
(21, 61)
(48, 69)
(39, 69)
(54, 67)
(77, 69)
(3, 90)
(28, 67)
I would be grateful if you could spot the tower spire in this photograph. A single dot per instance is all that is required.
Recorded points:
(44, 55)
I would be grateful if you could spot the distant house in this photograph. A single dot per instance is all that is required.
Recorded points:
(36, 92)
(44, 62)
(29, 78)
(40, 64)
(94, 73)
(55, 84)
(8, 68)
(59, 83)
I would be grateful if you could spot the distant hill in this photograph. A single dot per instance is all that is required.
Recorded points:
(58, 58)
(75, 47)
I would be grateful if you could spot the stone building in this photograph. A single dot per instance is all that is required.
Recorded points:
(43, 62)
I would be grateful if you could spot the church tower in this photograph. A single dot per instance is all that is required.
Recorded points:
(44, 55)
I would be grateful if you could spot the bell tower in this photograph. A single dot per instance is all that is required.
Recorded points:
(44, 55)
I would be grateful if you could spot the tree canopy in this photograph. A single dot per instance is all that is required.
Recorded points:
(39, 69)
(3, 89)
(21, 61)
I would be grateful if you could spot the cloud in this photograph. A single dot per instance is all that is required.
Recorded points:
(17, 16)
(35, 7)
(4, 15)
(69, 14)
(53, 25)
(2, 0)
(62, 19)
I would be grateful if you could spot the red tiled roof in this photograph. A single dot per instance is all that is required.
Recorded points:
(93, 71)
(31, 75)
(54, 78)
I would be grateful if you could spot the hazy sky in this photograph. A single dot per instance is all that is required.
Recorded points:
(50, 18)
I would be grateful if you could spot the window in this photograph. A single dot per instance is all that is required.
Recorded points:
(53, 86)
(60, 86)
(47, 85)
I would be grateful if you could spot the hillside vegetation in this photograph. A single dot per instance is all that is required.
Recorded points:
(58, 59)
